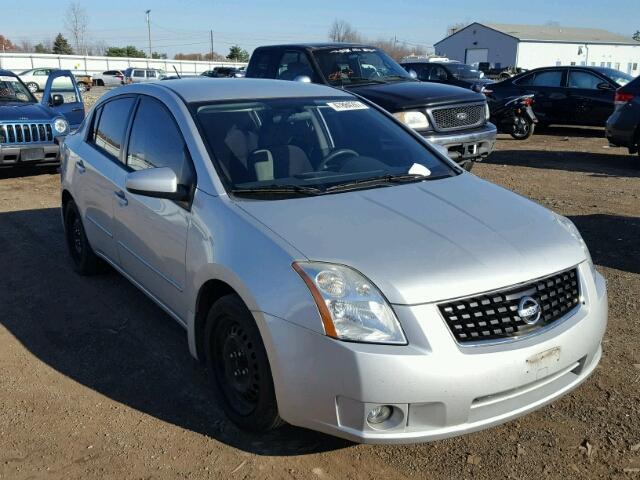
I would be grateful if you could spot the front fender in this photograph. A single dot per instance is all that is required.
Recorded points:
(227, 244)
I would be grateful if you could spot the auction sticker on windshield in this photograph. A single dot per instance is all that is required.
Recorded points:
(346, 106)
(7, 79)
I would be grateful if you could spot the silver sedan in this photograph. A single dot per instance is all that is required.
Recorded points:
(333, 269)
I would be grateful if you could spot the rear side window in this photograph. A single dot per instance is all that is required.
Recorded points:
(261, 63)
(112, 121)
(151, 73)
(586, 80)
(547, 79)
(138, 73)
(155, 142)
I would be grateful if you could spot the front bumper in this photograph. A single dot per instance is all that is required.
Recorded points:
(14, 154)
(466, 145)
(438, 389)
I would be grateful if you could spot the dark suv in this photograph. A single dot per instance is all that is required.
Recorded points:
(566, 95)
(452, 73)
(623, 127)
(452, 117)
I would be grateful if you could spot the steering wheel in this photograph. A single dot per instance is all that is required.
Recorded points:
(326, 161)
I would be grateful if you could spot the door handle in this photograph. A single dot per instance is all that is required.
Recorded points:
(78, 109)
(122, 199)
(80, 166)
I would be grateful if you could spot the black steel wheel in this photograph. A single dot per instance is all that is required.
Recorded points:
(84, 260)
(238, 361)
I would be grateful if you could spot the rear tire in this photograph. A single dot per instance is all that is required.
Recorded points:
(83, 258)
(33, 87)
(523, 130)
(238, 362)
(82, 87)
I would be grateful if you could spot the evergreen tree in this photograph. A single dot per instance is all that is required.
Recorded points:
(238, 54)
(61, 46)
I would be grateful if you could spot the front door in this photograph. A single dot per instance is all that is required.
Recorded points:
(151, 233)
(591, 97)
(550, 101)
(62, 95)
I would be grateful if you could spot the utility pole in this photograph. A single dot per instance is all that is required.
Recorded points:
(211, 39)
(149, 31)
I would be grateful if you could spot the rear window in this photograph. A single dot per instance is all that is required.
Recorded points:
(111, 124)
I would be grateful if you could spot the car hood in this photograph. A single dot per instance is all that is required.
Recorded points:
(397, 96)
(16, 111)
(428, 241)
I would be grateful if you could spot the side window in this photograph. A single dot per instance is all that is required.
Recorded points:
(151, 74)
(292, 65)
(260, 65)
(586, 80)
(525, 80)
(438, 74)
(155, 141)
(551, 78)
(40, 73)
(110, 130)
(138, 73)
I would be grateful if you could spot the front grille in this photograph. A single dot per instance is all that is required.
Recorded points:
(458, 117)
(494, 316)
(25, 133)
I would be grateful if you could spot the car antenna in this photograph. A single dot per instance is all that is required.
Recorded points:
(176, 70)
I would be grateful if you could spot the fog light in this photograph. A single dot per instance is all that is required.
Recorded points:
(379, 414)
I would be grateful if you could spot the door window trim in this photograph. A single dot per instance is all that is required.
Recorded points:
(90, 139)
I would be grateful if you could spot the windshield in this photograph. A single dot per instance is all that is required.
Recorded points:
(354, 65)
(13, 90)
(460, 70)
(312, 144)
(617, 76)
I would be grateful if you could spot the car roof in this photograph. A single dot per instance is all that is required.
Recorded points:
(200, 89)
(319, 45)
(8, 73)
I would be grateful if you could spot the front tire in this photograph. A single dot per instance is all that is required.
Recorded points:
(33, 87)
(238, 361)
(82, 87)
(83, 258)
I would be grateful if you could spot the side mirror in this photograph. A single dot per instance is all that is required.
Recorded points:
(604, 86)
(57, 100)
(302, 78)
(156, 182)
(413, 74)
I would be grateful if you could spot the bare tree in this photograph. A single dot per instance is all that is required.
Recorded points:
(76, 22)
(26, 46)
(451, 29)
(342, 31)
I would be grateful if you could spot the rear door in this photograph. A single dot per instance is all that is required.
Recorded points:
(151, 233)
(588, 102)
(61, 85)
(97, 170)
(551, 99)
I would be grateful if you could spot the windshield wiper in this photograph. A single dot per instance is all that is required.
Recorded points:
(382, 180)
(277, 190)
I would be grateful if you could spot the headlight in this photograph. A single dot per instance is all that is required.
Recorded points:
(351, 307)
(61, 125)
(416, 120)
(575, 233)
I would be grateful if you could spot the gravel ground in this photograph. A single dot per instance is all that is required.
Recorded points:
(97, 382)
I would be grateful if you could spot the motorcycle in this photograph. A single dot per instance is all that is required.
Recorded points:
(514, 115)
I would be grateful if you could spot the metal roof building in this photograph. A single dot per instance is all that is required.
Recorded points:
(531, 46)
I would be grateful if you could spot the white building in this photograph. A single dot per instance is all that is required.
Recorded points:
(532, 46)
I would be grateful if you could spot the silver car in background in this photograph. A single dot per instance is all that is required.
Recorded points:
(332, 268)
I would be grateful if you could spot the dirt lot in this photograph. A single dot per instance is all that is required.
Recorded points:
(97, 382)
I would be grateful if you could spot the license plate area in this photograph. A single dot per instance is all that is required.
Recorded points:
(31, 154)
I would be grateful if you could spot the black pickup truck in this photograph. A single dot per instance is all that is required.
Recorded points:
(452, 117)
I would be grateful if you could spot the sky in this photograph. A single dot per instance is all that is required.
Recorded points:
(184, 25)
